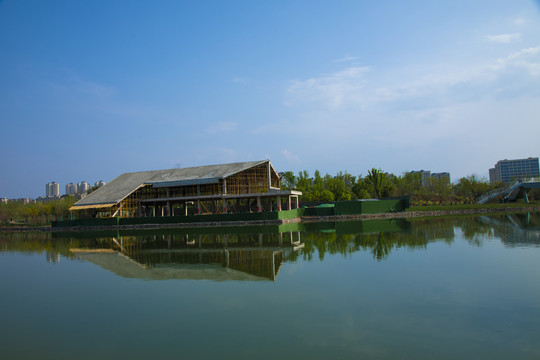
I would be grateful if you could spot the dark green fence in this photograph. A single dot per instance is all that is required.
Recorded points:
(359, 207)
(371, 206)
(214, 218)
(86, 222)
(337, 208)
(319, 211)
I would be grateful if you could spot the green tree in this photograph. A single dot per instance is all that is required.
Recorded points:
(327, 195)
(376, 181)
(359, 189)
(288, 180)
(471, 187)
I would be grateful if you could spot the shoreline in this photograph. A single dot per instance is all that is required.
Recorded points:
(302, 219)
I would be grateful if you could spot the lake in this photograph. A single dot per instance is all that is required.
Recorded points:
(435, 288)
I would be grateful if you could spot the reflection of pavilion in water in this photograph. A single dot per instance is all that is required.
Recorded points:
(516, 229)
(217, 257)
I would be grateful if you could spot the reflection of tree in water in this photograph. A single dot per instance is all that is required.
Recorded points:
(334, 239)
(382, 248)
(422, 231)
(474, 230)
(36, 242)
(379, 243)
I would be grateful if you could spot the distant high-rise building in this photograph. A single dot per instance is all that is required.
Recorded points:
(71, 189)
(52, 189)
(99, 183)
(82, 187)
(509, 170)
(426, 175)
(441, 176)
(3, 200)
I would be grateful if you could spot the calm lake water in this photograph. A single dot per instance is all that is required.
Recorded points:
(452, 288)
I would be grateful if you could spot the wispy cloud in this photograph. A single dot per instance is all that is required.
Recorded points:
(346, 58)
(504, 38)
(333, 89)
(363, 87)
(227, 155)
(77, 85)
(222, 126)
(289, 156)
(241, 80)
(528, 59)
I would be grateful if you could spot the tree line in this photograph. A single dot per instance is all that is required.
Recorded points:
(377, 184)
(343, 186)
(36, 213)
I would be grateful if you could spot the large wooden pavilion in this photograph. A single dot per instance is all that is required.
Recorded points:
(229, 188)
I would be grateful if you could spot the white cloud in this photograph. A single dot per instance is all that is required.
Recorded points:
(289, 156)
(504, 38)
(527, 59)
(346, 58)
(333, 89)
(360, 86)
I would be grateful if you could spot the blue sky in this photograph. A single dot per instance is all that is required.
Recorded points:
(93, 89)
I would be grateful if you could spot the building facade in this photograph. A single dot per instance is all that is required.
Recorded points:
(230, 188)
(82, 187)
(52, 189)
(425, 176)
(71, 189)
(510, 170)
(441, 176)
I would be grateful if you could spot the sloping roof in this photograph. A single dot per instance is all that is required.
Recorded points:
(120, 187)
(125, 267)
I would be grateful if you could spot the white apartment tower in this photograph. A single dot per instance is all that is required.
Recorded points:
(82, 187)
(52, 189)
(71, 189)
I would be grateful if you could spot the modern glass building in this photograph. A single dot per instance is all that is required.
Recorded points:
(509, 170)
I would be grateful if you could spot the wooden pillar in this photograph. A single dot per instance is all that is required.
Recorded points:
(269, 174)
(259, 205)
(278, 200)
